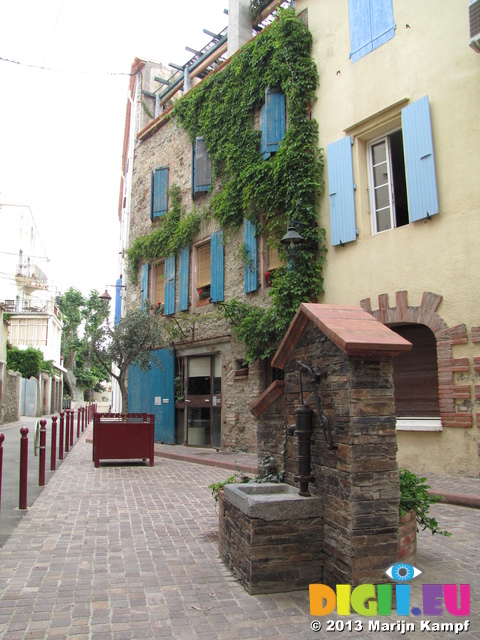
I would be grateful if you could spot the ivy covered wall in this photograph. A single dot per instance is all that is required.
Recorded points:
(224, 110)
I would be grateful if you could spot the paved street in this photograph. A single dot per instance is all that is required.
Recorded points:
(128, 552)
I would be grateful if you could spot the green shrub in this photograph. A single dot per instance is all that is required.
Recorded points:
(414, 496)
(29, 362)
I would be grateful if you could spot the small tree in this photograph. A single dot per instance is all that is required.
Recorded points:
(129, 342)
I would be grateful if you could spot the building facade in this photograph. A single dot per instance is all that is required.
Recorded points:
(398, 137)
(27, 296)
(397, 102)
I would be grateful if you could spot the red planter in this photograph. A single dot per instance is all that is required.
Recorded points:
(127, 436)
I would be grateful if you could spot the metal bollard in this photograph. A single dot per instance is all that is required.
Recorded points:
(61, 435)
(72, 420)
(53, 445)
(66, 440)
(78, 423)
(22, 504)
(2, 438)
(83, 419)
(43, 447)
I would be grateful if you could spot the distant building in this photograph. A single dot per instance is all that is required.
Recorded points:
(27, 296)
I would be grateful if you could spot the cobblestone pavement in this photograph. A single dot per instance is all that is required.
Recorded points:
(129, 552)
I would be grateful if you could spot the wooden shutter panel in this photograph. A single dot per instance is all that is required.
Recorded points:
(203, 266)
(341, 190)
(118, 301)
(184, 277)
(419, 160)
(144, 294)
(203, 166)
(250, 265)
(360, 28)
(159, 203)
(216, 254)
(383, 24)
(169, 307)
(272, 122)
(371, 25)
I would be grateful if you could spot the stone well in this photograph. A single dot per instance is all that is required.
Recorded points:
(351, 536)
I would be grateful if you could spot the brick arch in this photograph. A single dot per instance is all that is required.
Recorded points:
(446, 338)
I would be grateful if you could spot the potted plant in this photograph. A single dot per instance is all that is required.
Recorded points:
(414, 497)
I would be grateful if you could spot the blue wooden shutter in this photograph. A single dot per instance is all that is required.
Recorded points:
(216, 266)
(203, 167)
(383, 24)
(272, 122)
(360, 28)
(159, 199)
(144, 285)
(371, 25)
(341, 190)
(419, 160)
(118, 301)
(250, 265)
(184, 277)
(169, 306)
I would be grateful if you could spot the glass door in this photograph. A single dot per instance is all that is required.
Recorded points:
(203, 401)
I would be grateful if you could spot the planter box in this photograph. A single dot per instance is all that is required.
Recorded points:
(119, 436)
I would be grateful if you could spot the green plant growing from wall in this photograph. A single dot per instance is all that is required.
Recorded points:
(177, 229)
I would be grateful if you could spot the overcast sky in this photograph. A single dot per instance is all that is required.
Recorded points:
(61, 132)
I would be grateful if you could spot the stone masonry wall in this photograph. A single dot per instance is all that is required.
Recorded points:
(170, 146)
(12, 396)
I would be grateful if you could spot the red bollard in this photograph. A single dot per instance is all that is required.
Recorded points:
(67, 431)
(43, 447)
(60, 443)
(82, 410)
(23, 468)
(2, 438)
(53, 445)
(78, 423)
(72, 420)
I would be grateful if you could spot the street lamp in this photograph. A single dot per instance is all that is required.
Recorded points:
(292, 238)
(105, 296)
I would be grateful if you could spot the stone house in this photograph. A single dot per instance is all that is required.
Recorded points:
(201, 392)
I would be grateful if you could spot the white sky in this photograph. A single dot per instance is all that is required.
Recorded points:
(61, 134)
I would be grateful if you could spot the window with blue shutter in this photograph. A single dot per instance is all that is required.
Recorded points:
(341, 191)
(419, 160)
(144, 294)
(250, 263)
(201, 167)
(272, 122)
(159, 197)
(118, 301)
(184, 277)
(169, 307)
(371, 25)
(216, 266)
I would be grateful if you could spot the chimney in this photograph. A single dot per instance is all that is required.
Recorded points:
(239, 25)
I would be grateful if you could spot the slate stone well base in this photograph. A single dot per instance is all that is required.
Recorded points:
(270, 537)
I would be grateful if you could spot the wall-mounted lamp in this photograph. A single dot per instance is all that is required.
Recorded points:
(292, 238)
(105, 296)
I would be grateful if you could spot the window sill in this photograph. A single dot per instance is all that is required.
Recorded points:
(419, 424)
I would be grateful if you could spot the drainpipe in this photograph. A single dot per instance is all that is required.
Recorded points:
(239, 25)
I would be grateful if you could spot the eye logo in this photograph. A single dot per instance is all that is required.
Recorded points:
(402, 572)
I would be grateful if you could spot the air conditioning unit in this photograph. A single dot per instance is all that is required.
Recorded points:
(474, 23)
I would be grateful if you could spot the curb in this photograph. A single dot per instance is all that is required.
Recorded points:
(455, 498)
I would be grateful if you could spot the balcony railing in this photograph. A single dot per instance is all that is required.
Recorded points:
(31, 272)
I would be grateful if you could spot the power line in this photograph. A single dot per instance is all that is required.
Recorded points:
(73, 71)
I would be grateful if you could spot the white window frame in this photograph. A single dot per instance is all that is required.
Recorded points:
(419, 424)
(371, 182)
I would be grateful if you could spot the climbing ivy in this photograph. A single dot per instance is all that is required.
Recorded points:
(222, 109)
(177, 230)
(285, 187)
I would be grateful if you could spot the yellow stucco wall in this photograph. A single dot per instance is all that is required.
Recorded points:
(429, 55)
